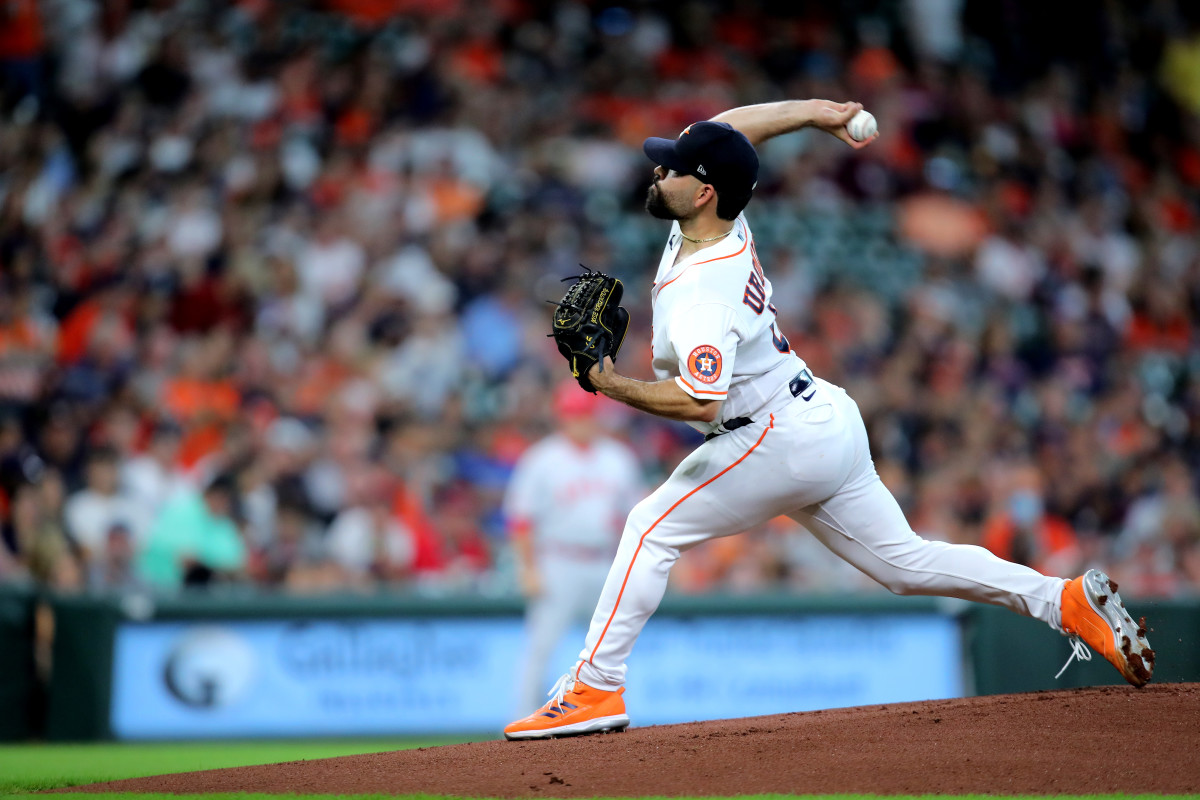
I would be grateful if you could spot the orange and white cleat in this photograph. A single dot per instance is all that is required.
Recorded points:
(574, 709)
(1092, 611)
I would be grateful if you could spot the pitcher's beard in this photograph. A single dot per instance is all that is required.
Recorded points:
(657, 206)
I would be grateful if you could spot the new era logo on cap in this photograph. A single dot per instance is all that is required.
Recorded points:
(715, 152)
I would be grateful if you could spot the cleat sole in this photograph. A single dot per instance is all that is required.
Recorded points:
(613, 724)
(1136, 659)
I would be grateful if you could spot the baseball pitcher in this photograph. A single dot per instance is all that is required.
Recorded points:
(778, 439)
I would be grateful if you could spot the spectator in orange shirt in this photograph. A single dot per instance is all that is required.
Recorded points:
(110, 305)
(1025, 533)
(202, 398)
(27, 342)
(1160, 320)
(200, 391)
(21, 44)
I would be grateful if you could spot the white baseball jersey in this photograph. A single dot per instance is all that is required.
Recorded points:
(714, 327)
(576, 498)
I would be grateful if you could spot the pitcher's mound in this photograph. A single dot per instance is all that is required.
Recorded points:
(1084, 741)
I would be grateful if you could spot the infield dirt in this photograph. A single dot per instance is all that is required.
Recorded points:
(1099, 740)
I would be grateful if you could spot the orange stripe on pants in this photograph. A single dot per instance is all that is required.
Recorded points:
(665, 514)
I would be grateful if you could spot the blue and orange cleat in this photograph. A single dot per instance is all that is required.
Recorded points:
(573, 711)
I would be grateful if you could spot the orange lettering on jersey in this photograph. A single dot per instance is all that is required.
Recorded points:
(705, 363)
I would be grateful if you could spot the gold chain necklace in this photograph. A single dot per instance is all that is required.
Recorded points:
(709, 239)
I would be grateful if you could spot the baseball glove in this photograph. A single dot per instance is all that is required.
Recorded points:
(590, 324)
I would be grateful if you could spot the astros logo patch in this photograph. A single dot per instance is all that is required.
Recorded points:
(705, 364)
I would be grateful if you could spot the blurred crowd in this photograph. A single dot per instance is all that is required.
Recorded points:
(272, 275)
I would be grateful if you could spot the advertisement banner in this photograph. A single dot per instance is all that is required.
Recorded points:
(425, 676)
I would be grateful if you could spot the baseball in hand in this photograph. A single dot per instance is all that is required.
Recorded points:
(861, 126)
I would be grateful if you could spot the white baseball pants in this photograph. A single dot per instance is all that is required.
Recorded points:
(810, 461)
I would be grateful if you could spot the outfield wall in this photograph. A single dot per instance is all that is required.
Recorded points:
(19, 691)
(268, 666)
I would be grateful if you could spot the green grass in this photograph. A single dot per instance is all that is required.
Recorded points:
(246, 796)
(34, 767)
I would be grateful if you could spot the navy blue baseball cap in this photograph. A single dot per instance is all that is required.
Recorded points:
(713, 152)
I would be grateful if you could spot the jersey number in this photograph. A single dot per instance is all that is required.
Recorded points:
(755, 297)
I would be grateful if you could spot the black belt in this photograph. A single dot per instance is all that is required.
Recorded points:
(798, 386)
(729, 425)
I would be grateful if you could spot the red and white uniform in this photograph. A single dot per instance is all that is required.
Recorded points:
(805, 455)
(573, 500)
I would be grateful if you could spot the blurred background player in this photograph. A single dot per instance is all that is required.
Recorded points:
(565, 508)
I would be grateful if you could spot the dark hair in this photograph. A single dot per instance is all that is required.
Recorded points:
(223, 482)
(164, 428)
(729, 205)
(226, 483)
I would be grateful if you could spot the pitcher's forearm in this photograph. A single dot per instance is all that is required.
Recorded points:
(768, 120)
(661, 398)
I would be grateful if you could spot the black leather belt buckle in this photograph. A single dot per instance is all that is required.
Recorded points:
(803, 384)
